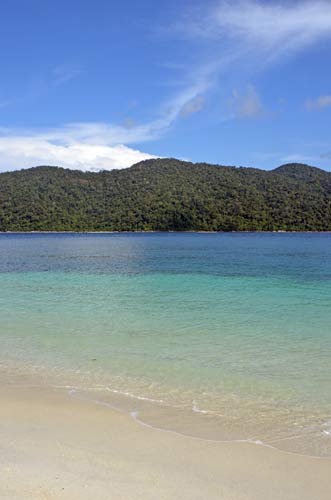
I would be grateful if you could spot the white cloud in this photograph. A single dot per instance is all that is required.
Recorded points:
(64, 150)
(322, 102)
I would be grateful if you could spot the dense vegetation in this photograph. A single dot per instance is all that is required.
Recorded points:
(165, 195)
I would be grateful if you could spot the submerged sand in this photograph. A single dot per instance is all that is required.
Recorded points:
(57, 447)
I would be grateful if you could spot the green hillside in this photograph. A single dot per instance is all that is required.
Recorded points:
(164, 195)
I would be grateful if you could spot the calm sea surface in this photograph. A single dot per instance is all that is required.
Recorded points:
(220, 336)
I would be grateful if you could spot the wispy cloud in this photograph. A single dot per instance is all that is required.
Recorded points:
(247, 104)
(195, 105)
(5, 103)
(308, 154)
(275, 27)
(244, 36)
(43, 84)
(299, 158)
(64, 73)
(322, 102)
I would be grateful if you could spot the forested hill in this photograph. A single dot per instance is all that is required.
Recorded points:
(166, 195)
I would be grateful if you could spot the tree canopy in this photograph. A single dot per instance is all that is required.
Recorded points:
(167, 195)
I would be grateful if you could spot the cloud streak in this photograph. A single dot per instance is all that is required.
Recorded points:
(195, 105)
(64, 73)
(322, 102)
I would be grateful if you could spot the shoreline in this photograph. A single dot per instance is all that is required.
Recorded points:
(157, 414)
(254, 442)
(163, 232)
(55, 446)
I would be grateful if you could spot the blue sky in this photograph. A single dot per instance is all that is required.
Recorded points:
(104, 84)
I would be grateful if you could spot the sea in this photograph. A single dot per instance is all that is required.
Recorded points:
(218, 336)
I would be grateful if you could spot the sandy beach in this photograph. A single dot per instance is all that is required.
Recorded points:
(56, 447)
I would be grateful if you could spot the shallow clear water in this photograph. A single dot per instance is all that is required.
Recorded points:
(222, 336)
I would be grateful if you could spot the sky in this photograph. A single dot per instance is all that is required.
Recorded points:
(105, 84)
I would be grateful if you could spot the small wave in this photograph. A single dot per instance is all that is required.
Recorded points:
(327, 428)
(196, 409)
(134, 396)
(102, 388)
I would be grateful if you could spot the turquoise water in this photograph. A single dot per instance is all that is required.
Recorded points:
(221, 336)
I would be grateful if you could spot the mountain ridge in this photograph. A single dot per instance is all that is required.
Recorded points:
(282, 167)
(167, 195)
